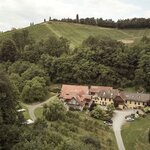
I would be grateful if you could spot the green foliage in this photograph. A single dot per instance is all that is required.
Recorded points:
(142, 73)
(149, 136)
(38, 137)
(21, 38)
(9, 136)
(91, 141)
(16, 80)
(110, 109)
(56, 47)
(146, 109)
(135, 134)
(33, 71)
(34, 90)
(19, 67)
(31, 53)
(8, 100)
(55, 110)
(98, 113)
(9, 117)
(8, 51)
(58, 135)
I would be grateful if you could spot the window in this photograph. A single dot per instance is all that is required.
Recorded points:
(109, 99)
(126, 101)
(138, 103)
(105, 99)
(135, 103)
(130, 102)
(143, 103)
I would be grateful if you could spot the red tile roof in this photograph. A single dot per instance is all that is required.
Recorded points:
(80, 93)
(74, 90)
(97, 89)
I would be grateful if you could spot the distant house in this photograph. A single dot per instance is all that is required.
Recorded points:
(75, 96)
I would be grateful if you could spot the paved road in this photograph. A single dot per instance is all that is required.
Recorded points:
(118, 121)
(32, 107)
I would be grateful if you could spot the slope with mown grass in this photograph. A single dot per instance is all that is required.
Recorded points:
(76, 33)
(135, 134)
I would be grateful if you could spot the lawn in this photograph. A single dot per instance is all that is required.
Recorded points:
(38, 112)
(135, 134)
(25, 113)
(76, 33)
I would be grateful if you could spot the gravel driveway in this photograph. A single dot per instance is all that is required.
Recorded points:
(118, 121)
(32, 107)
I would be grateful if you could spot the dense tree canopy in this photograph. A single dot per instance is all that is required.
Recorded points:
(9, 117)
(109, 23)
(34, 90)
(8, 51)
(8, 100)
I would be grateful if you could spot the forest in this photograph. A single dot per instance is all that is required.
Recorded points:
(32, 65)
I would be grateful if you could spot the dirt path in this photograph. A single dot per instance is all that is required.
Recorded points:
(118, 121)
(32, 107)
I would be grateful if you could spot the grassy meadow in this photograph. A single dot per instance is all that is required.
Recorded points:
(76, 33)
(135, 134)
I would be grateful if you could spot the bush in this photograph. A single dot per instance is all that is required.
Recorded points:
(55, 90)
(91, 141)
(98, 113)
(72, 128)
(71, 114)
(147, 110)
(71, 145)
(54, 111)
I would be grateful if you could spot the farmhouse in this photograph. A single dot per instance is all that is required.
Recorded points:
(75, 96)
(122, 99)
(78, 97)
(136, 100)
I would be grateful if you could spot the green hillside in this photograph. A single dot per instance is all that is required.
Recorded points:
(135, 134)
(76, 33)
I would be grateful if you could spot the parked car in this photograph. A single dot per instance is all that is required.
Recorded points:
(21, 110)
(129, 119)
(128, 116)
(29, 121)
(108, 122)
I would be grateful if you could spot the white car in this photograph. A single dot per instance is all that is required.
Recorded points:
(129, 119)
(29, 121)
(21, 110)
